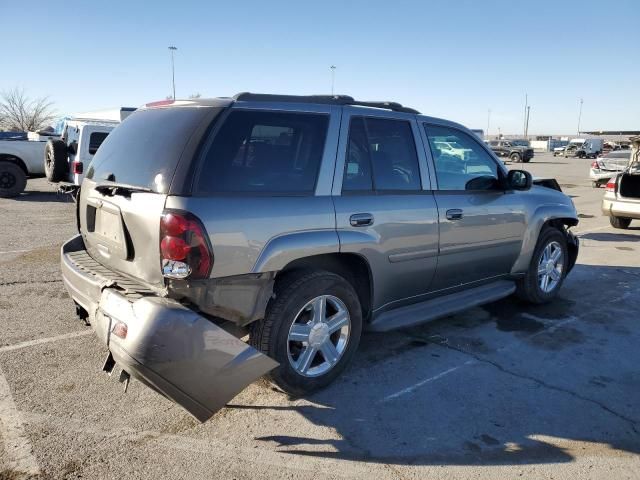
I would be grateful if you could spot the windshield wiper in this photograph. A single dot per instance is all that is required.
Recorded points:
(124, 189)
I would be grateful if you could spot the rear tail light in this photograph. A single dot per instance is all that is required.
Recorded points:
(611, 185)
(77, 168)
(184, 246)
(595, 165)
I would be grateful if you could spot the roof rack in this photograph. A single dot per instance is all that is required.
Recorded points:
(320, 99)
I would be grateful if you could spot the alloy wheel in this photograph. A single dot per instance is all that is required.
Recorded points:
(318, 336)
(550, 267)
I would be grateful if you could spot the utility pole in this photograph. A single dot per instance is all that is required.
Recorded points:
(172, 49)
(580, 115)
(526, 124)
(526, 104)
(488, 122)
(333, 77)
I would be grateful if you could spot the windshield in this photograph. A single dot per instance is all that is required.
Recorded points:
(144, 150)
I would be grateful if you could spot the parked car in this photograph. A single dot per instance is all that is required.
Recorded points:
(608, 165)
(298, 221)
(591, 148)
(65, 157)
(621, 201)
(516, 150)
(19, 160)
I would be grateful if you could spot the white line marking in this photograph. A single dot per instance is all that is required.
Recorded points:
(15, 251)
(31, 343)
(507, 347)
(410, 389)
(16, 443)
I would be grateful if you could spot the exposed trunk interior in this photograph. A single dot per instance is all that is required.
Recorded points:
(630, 185)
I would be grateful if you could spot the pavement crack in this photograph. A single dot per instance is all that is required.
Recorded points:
(631, 422)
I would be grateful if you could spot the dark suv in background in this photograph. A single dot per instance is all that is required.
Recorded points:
(517, 150)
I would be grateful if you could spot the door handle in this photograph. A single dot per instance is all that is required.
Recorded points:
(454, 214)
(361, 219)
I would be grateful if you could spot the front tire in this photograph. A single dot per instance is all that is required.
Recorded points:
(13, 180)
(312, 328)
(620, 222)
(547, 270)
(516, 158)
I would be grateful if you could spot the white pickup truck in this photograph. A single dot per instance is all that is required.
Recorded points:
(62, 159)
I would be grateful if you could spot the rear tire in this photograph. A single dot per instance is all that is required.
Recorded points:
(294, 302)
(595, 184)
(620, 222)
(516, 158)
(531, 288)
(13, 180)
(56, 163)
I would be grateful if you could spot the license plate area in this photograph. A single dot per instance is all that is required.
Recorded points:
(106, 229)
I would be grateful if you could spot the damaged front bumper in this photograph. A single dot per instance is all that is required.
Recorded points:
(170, 348)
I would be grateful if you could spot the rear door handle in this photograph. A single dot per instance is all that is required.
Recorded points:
(454, 214)
(361, 219)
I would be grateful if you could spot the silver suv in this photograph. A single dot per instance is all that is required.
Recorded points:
(298, 221)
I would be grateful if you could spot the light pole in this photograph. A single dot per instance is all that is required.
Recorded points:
(526, 124)
(488, 122)
(526, 103)
(333, 77)
(580, 115)
(172, 49)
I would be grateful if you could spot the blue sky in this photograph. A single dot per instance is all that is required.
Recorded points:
(449, 59)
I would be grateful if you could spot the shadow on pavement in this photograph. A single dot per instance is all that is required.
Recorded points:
(612, 237)
(508, 383)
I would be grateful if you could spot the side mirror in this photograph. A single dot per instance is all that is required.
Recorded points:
(519, 180)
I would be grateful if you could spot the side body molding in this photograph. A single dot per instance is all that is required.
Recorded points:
(540, 216)
(281, 250)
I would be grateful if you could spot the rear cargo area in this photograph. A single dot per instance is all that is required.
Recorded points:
(630, 185)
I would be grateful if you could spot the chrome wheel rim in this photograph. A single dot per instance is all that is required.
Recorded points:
(550, 267)
(318, 336)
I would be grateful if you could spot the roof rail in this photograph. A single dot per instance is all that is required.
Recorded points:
(320, 99)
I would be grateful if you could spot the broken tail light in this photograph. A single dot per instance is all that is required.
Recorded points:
(184, 246)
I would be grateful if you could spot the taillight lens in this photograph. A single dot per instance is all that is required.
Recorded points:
(77, 168)
(611, 185)
(595, 165)
(184, 246)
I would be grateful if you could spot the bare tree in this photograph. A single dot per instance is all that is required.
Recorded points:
(21, 113)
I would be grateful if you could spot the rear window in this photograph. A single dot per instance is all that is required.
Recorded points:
(145, 149)
(265, 152)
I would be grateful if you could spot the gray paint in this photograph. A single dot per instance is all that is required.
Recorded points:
(422, 264)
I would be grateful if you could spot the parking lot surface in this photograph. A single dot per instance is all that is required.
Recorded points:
(501, 391)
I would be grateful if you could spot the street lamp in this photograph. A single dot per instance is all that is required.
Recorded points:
(580, 115)
(333, 77)
(172, 49)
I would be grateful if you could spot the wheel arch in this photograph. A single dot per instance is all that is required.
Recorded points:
(557, 216)
(352, 267)
(9, 157)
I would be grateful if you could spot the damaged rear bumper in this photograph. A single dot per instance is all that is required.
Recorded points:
(170, 348)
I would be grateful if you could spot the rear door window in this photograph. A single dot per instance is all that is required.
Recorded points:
(265, 152)
(381, 156)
